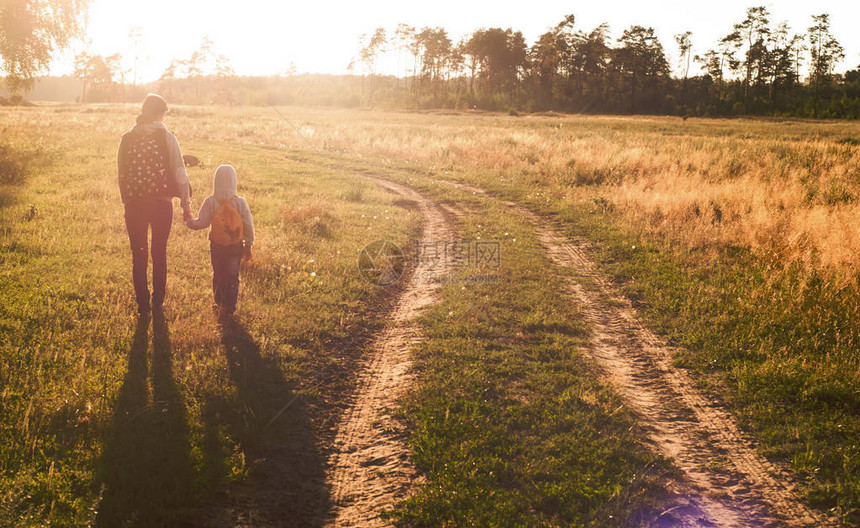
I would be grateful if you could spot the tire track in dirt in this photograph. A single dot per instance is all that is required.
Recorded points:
(727, 483)
(369, 466)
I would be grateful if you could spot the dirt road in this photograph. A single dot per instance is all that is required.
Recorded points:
(369, 467)
(727, 483)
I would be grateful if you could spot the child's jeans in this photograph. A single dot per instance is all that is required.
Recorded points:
(225, 274)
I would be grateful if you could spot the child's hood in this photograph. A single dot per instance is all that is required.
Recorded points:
(224, 186)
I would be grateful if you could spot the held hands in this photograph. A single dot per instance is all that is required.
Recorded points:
(187, 215)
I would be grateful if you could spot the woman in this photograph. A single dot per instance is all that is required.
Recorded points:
(151, 172)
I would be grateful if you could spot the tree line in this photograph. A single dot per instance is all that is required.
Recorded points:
(104, 78)
(759, 67)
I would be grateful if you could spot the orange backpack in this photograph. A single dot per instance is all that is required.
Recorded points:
(227, 224)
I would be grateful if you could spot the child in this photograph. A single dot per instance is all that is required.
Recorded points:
(230, 238)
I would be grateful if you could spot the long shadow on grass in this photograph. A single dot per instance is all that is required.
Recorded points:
(285, 484)
(146, 472)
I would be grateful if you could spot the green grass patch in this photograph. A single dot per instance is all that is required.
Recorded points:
(511, 422)
(777, 346)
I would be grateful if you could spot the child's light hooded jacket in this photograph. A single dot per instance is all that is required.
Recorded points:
(224, 188)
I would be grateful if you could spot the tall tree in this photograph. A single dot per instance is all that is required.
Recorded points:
(722, 59)
(546, 56)
(224, 76)
(501, 55)
(456, 62)
(471, 60)
(99, 74)
(781, 71)
(436, 46)
(31, 31)
(685, 47)
(824, 53)
(641, 61)
(370, 52)
(197, 62)
(416, 49)
(595, 53)
(752, 33)
(566, 37)
(170, 74)
(797, 50)
(403, 36)
(83, 67)
(685, 51)
(135, 35)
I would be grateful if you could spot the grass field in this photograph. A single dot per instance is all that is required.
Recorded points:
(736, 239)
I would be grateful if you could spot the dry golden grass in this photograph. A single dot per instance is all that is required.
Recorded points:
(786, 190)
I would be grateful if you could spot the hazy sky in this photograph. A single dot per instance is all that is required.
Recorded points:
(264, 37)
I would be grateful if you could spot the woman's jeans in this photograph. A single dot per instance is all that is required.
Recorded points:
(141, 215)
(225, 274)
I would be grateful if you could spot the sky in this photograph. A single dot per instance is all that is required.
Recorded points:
(321, 36)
